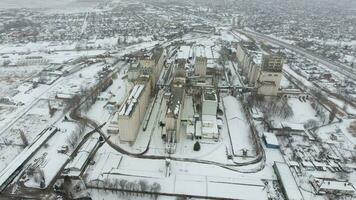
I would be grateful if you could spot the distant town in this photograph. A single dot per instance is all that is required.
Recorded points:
(174, 100)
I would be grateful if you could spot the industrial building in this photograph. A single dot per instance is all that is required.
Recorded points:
(183, 54)
(182, 57)
(263, 70)
(209, 111)
(148, 63)
(200, 61)
(210, 102)
(204, 126)
(132, 112)
(289, 185)
(175, 103)
(144, 72)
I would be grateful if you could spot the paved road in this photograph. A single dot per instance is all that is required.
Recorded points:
(341, 68)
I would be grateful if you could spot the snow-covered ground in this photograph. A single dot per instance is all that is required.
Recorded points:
(185, 178)
(48, 159)
(302, 112)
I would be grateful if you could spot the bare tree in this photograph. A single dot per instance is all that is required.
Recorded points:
(143, 185)
(23, 138)
(51, 110)
(122, 184)
(332, 114)
(311, 123)
(155, 188)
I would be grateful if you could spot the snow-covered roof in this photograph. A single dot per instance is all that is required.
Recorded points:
(132, 99)
(64, 96)
(292, 163)
(210, 125)
(238, 125)
(76, 165)
(198, 128)
(289, 184)
(105, 164)
(334, 185)
(200, 51)
(184, 52)
(188, 109)
(271, 138)
(190, 129)
(307, 164)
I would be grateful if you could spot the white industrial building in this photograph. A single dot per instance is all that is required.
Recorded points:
(209, 127)
(188, 109)
(132, 112)
(210, 103)
(289, 185)
(262, 70)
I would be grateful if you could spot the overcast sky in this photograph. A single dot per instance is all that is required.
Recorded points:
(33, 3)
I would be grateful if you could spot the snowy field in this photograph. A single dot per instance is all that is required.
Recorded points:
(13, 77)
(185, 178)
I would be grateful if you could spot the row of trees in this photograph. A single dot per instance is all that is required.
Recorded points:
(129, 188)
(74, 137)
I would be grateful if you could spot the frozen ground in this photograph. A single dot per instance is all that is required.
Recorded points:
(32, 123)
(302, 112)
(12, 77)
(202, 179)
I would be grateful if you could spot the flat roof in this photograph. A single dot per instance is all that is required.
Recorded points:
(132, 100)
(289, 184)
(212, 127)
(76, 165)
(335, 185)
(210, 95)
(198, 126)
(271, 138)
(200, 51)
(183, 52)
(188, 108)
